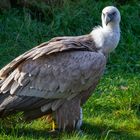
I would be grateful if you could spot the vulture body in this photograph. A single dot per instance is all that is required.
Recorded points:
(58, 76)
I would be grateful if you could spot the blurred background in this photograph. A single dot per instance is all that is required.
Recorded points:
(113, 112)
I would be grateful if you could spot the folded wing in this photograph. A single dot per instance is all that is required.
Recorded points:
(51, 73)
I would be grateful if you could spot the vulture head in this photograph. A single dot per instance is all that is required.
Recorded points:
(107, 36)
(110, 16)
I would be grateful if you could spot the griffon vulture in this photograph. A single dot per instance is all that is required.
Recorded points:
(58, 76)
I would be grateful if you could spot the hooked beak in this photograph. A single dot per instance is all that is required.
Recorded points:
(108, 18)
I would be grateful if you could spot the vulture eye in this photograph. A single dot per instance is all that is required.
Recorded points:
(114, 13)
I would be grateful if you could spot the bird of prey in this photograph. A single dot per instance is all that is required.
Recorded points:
(57, 77)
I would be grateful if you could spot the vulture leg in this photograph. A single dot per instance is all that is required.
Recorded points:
(79, 122)
(68, 115)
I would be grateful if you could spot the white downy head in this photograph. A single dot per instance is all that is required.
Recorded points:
(108, 36)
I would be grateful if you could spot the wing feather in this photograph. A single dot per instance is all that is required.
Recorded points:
(59, 69)
(14, 87)
(54, 45)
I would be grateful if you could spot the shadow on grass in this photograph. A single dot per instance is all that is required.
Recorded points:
(100, 132)
(105, 132)
(28, 133)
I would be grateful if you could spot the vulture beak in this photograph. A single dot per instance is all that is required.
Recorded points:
(108, 18)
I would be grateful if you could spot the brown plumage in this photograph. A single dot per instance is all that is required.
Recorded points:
(58, 76)
(50, 77)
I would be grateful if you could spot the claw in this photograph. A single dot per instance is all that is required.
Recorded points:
(53, 125)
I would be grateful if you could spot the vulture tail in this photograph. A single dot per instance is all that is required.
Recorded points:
(30, 106)
(4, 100)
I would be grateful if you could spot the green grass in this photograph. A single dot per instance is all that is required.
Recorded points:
(113, 111)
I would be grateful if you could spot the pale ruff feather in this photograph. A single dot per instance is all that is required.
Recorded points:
(105, 38)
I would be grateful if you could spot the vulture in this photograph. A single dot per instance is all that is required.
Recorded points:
(57, 77)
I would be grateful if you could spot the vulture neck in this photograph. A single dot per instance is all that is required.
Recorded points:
(111, 27)
(106, 38)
